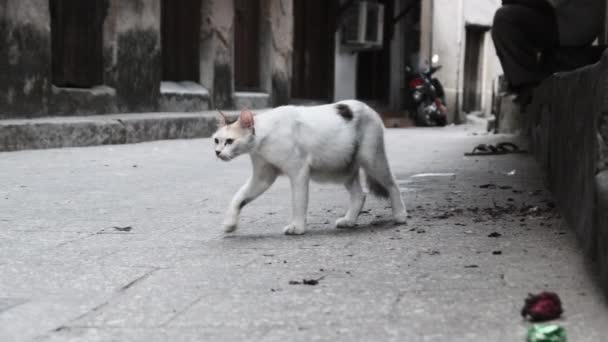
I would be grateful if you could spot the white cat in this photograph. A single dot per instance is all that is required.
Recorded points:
(328, 143)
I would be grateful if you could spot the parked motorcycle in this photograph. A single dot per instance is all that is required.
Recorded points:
(427, 97)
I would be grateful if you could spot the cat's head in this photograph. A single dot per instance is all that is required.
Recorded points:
(234, 138)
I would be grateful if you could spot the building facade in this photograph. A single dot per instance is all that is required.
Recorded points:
(459, 32)
(71, 57)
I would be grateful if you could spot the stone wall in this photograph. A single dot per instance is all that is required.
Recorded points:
(131, 61)
(132, 58)
(132, 53)
(25, 45)
(567, 124)
(217, 45)
(277, 49)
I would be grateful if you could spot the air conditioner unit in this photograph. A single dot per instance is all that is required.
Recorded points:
(363, 25)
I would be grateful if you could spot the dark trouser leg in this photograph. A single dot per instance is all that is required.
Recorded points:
(519, 33)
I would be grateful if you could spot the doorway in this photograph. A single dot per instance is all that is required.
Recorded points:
(314, 49)
(473, 67)
(77, 42)
(373, 66)
(180, 39)
(247, 45)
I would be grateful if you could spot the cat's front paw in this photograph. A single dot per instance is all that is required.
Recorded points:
(343, 222)
(292, 229)
(401, 218)
(230, 226)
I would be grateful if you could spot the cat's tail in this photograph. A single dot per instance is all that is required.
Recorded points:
(376, 188)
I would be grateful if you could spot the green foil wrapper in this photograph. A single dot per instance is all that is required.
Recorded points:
(546, 333)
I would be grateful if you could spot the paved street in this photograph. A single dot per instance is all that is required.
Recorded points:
(123, 243)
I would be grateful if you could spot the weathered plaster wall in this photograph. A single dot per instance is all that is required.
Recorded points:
(399, 61)
(132, 58)
(216, 51)
(131, 61)
(25, 46)
(450, 18)
(276, 49)
(132, 53)
(345, 72)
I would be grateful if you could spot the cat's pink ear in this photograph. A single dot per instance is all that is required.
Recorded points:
(222, 120)
(246, 119)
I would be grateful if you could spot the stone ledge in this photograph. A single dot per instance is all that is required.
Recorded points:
(184, 96)
(601, 222)
(562, 122)
(83, 101)
(251, 100)
(55, 132)
(509, 118)
(487, 121)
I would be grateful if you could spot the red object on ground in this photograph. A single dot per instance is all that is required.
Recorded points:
(544, 306)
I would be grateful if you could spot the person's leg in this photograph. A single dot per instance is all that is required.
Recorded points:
(519, 34)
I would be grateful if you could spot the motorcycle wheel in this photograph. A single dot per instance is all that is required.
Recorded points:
(423, 119)
(441, 120)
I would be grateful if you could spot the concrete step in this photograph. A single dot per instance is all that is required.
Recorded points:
(184, 96)
(487, 121)
(55, 132)
(510, 118)
(251, 100)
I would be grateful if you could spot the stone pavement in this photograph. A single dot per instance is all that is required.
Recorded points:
(123, 243)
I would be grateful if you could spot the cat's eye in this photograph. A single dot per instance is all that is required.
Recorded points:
(229, 141)
(217, 141)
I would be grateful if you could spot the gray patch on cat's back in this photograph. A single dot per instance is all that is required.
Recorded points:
(344, 111)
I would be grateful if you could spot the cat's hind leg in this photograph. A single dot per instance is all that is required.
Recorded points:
(357, 199)
(263, 177)
(380, 180)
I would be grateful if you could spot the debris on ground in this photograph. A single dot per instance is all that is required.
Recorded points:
(495, 235)
(541, 307)
(546, 333)
(495, 211)
(443, 216)
(497, 252)
(311, 282)
(123, 229)
(471, 266)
